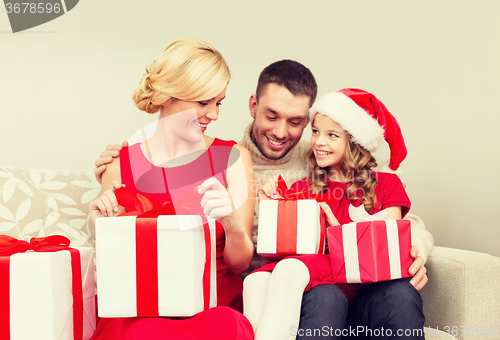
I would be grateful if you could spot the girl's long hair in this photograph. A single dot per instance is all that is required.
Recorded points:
(356, 168)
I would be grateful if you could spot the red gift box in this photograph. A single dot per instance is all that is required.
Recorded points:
(370, 251)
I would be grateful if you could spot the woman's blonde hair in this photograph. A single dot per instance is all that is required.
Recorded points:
(355, 167)
(188, 69)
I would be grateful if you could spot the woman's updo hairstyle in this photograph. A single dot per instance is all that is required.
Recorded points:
(188, 69)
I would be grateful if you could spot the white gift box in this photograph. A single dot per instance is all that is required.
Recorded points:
(303, 228)
(41, 299)
(181, 262)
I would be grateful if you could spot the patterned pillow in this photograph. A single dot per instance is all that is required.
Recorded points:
(35, 203)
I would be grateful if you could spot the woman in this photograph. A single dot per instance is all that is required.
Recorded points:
(198, 173)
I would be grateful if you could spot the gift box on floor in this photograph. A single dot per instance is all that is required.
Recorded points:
(155, 266)
(290, 227)
(370, 251)
(46, 295)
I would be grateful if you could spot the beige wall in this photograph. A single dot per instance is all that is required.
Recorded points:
(65, 86)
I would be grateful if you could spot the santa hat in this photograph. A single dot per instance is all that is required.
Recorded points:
(365, 118)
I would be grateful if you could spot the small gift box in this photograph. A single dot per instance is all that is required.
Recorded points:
(370, 251)
(290, 227)
(46, 290)
(152, 264)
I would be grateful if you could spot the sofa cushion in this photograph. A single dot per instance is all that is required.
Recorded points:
(35, 203)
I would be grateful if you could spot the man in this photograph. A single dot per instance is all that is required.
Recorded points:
(285, 91)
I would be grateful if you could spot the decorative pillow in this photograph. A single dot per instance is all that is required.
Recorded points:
(35, 203)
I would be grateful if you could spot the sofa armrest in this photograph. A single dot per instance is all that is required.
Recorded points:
(463, 290)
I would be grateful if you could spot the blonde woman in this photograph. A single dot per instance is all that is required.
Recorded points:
(179, 163)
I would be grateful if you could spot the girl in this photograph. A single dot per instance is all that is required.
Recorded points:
(347, 126)
(179, 163)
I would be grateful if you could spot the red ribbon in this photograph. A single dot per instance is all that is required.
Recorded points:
(286, 238)
(10, 246)
(142, 206)
(147, 210)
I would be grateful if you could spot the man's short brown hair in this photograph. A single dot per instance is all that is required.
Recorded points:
(291, 74)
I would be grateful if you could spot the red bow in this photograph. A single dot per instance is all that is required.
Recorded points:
(10, 246)
(142, 206)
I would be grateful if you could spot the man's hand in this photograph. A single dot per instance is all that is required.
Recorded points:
(418, 270)
(105, 158)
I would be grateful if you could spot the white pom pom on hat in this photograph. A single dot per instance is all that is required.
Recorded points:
(365, 118)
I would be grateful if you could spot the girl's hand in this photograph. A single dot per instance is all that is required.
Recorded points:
(330, 217)
(269, 190)
(106, 204)
(216, 203)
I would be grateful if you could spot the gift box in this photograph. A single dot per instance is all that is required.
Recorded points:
(155, 266)
(370, 251)
(290, 227)
(46, 294)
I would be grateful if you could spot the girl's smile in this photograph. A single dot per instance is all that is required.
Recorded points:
(328, 141)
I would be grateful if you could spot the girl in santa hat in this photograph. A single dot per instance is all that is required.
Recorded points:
(347, 127)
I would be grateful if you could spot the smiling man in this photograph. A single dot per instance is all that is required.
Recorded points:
(278, 120)
(285, 91)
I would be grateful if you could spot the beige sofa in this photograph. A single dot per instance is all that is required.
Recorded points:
(462, 296)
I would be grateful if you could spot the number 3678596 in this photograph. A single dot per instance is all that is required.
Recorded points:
(27, 7)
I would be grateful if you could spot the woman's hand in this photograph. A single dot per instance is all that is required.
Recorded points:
(330, 217)
(106, 204)
(216, 201)
(269, 190)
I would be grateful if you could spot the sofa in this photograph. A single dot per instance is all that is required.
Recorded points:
(462, 297)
